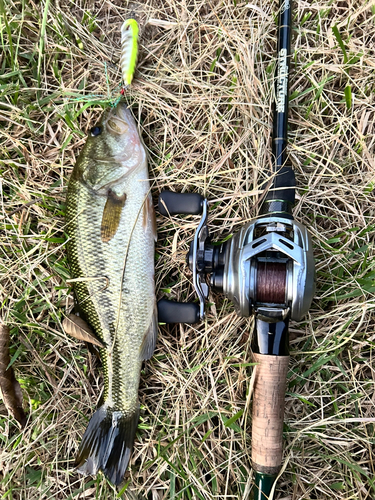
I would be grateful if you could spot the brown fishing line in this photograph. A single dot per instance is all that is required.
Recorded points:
(271, 282)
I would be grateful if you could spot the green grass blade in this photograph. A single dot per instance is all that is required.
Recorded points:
(41, 40)
(340, 42)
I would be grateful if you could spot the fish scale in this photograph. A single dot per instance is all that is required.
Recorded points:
(110, 224)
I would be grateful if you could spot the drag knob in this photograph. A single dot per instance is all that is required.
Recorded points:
(177, 312)
(180, 203)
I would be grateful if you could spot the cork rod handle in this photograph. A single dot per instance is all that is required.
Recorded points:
(268, 412)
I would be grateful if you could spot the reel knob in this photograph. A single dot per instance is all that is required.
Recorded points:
(180, 203)
(178, 312)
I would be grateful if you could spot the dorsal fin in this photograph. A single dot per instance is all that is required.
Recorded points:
(149, 340)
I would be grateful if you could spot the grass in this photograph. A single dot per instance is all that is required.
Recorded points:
(202, 96)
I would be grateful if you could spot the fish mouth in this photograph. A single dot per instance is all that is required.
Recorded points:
(119, 120)
(122, 111)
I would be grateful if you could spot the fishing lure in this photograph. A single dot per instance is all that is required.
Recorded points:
(129, 50)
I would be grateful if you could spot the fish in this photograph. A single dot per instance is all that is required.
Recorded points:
(110, 223)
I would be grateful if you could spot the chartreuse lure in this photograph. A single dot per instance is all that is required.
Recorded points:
(129, 50)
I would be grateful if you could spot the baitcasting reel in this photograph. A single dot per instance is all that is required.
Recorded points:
(266, 269)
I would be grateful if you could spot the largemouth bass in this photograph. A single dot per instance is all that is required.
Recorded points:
(111, 227)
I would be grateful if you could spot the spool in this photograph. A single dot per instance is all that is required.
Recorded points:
(271, 282)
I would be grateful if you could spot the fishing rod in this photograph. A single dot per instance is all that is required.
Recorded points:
(267, 270)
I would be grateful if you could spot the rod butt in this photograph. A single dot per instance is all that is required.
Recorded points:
(263, 485)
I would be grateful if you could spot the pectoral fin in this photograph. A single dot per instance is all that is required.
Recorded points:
(111, 215)
(78, 328)
(149, 340)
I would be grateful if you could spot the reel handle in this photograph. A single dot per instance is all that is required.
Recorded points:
(180, 203)
(178, 312)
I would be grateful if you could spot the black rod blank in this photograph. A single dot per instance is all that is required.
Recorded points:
(281, 196)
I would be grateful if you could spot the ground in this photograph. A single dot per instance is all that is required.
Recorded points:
(202, 96)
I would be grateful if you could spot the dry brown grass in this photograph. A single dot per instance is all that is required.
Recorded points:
(207, 129)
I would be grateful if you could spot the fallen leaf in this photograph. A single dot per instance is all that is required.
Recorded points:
(10, 388)
(78, 328)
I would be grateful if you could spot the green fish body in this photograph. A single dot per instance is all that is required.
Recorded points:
(111, 227)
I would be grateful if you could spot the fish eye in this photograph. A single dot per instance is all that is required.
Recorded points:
(96, 131)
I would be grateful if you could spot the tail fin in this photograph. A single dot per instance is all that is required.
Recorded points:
(107, 443)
